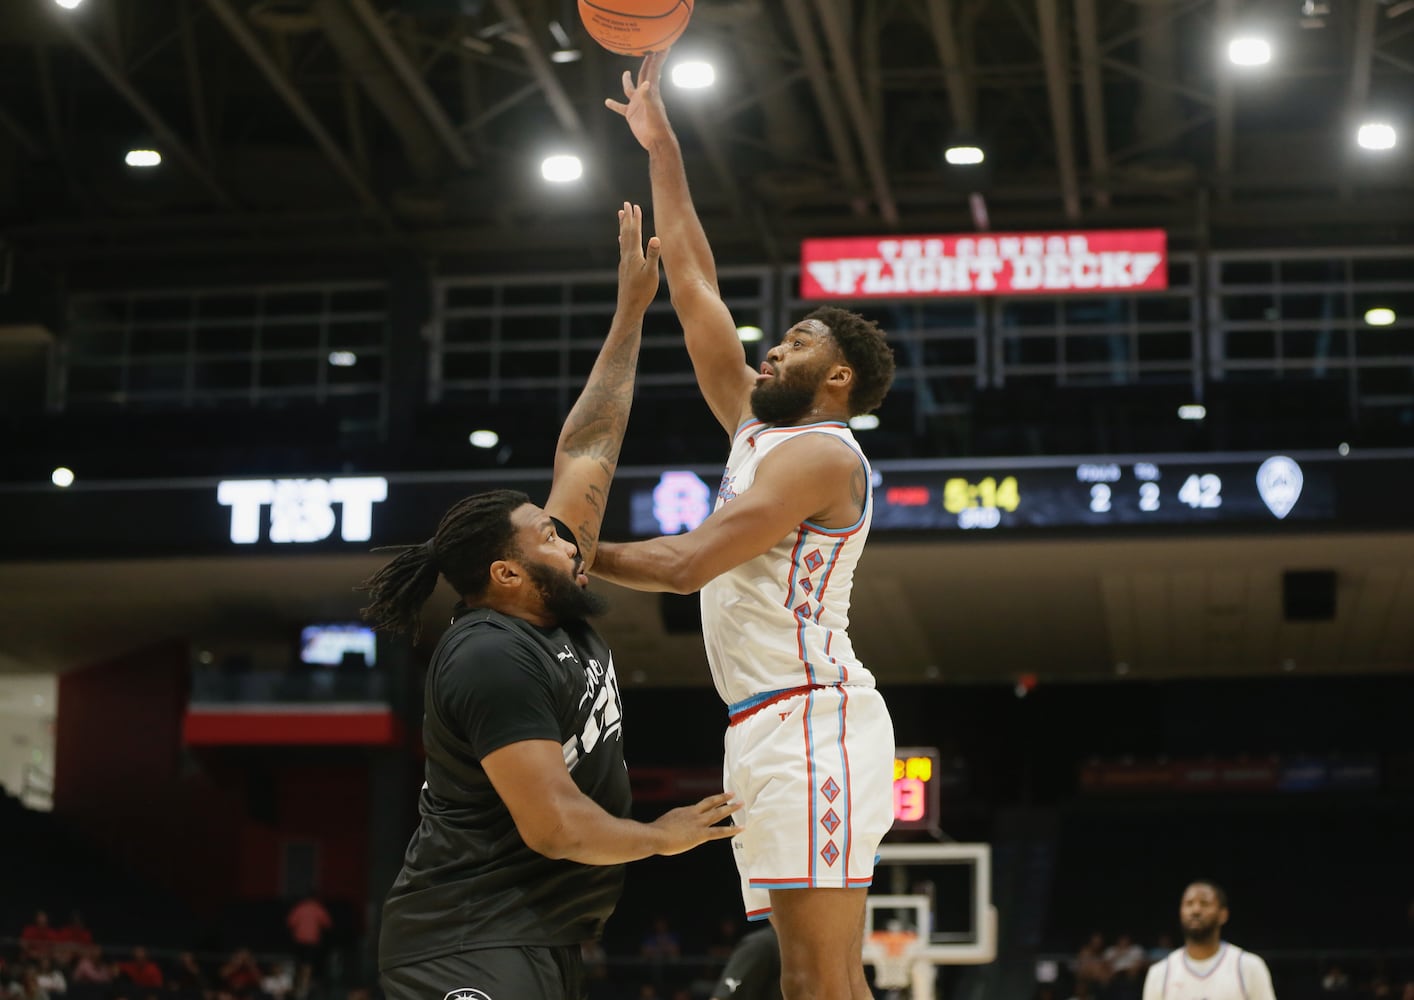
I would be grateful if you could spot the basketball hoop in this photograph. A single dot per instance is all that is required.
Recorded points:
(893, 958)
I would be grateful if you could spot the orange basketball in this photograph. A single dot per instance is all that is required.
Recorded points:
(635, 27)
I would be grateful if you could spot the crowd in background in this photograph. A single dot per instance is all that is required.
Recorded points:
(49, 962)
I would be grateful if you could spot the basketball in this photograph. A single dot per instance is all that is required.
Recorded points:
(635, 27)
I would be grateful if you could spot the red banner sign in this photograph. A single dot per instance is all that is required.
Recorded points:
(891, 267)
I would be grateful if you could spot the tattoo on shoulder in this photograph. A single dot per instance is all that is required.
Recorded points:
(858, 487)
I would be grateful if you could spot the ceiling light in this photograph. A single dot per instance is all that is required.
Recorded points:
(1192, 411)
(564, 50)
(1380, 316)
(964, 156)
(561, 168)
(484, 439)
(142, 158)
(68, 4)
(749, 334)
(1249, 51)
(343, 359)
(864, 422)
(1377, 136)
(693, 74)
(62, 477)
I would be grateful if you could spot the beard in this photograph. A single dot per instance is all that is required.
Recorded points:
(782, 400)
(1200, 932)
(564, 599)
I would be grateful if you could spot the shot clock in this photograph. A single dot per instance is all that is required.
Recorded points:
(916, 782)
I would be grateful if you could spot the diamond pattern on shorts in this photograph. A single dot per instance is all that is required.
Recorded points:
(830, 821)
(802, 610)
(806, 585)
(829, 789)
(813, 560)
(830, 853)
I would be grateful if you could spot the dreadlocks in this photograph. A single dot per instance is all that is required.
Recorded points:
(473, 534)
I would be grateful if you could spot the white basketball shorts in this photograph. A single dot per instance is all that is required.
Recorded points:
(813, 769)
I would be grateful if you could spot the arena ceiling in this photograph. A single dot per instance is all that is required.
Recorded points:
(299, 134)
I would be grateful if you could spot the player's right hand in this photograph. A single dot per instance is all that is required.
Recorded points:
(644, 109)
(686, 827)
(638, 268)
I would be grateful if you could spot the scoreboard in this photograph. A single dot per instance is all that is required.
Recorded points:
(916, 782)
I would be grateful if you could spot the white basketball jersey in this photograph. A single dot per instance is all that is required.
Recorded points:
(778, 621)
(1231, 974)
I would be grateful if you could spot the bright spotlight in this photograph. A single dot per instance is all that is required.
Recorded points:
(563, 56)
(693, 74)
(68, 4)
(142, 158)
(62, 477)
(1377, 136)
(964, 156)
(1380, 316)
(484, 439)
(1192, 411)
(1249, 51)
(749, 334)
(343, 359)
(864, 422)
(561, 168)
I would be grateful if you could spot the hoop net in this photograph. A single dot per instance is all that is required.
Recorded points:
(893, 958)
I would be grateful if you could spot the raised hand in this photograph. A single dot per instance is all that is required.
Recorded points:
(644, 109)
(689, 826)
(638, 271)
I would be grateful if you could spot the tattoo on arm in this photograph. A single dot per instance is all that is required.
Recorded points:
(858, 488)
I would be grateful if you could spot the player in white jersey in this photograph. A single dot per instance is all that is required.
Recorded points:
(809, 748)
(1207, 967)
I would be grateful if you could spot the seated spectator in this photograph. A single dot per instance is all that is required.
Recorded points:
(240, 976)
(72, 938)
(141, 971)
(38, 938)
(50, 978)
(1127, 962)
(187, 981)
(1335, 980)
(280, 983)
(1090, 967)
(661, 944)
(91, 968)
(29, 988)
(1162, 947)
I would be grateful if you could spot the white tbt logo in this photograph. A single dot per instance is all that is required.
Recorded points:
(466, 993)
(301, 510)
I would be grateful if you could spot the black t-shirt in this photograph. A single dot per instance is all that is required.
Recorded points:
(753, 971)
(468, 879)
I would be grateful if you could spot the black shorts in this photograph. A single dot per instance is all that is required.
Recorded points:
(529, 973)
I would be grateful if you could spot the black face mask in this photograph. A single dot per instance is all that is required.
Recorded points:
(564, 599)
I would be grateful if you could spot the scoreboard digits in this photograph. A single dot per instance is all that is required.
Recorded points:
(916, 788)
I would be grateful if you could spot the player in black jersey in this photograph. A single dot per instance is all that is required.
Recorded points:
(524, 833)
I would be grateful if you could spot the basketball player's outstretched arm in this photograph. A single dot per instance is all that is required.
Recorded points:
(814, 477)
(718, 358)
(588, 450)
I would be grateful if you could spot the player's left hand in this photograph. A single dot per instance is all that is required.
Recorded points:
(638, 269)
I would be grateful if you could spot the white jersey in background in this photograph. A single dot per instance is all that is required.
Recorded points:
(1231, 974)
(778, 621)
